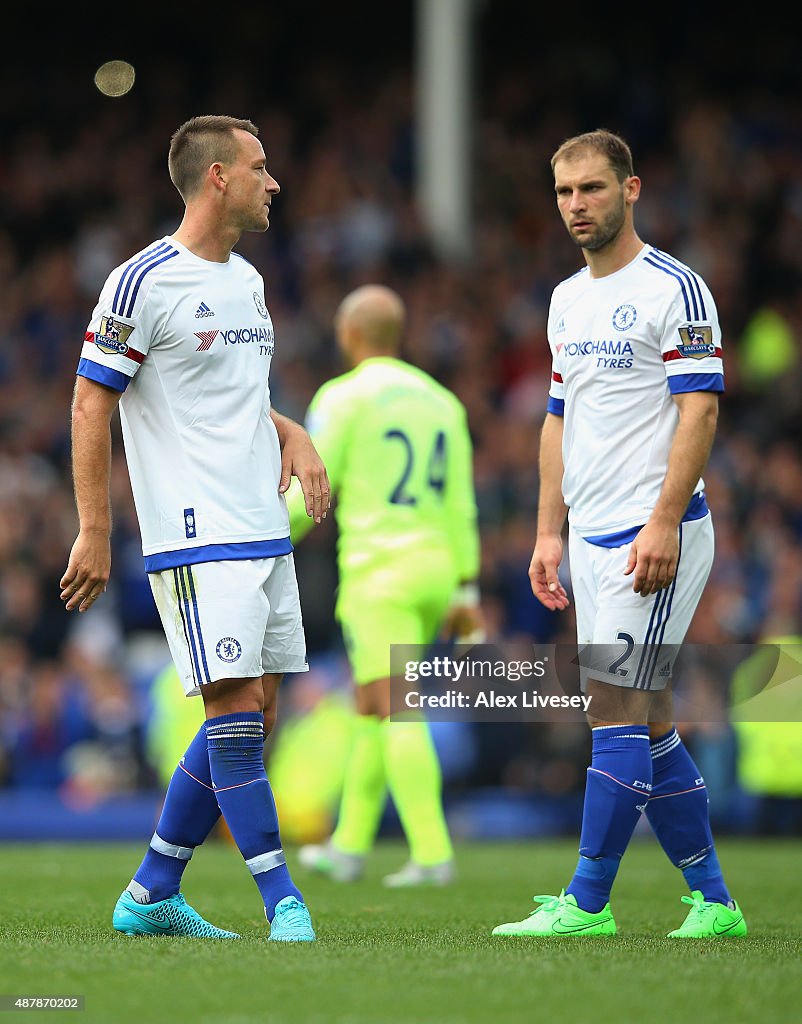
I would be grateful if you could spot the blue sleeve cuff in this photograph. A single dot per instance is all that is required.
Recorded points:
(103, 375)
(556, 406)
(683, 382)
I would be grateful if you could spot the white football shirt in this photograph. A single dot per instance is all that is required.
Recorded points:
(189, 343)
(621, 346)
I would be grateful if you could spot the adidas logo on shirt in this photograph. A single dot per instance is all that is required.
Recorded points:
(203, 310)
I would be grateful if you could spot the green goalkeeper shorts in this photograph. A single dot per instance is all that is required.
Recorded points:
(393, 605)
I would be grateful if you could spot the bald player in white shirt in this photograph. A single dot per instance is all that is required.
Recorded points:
(636, 373)
(182, 339)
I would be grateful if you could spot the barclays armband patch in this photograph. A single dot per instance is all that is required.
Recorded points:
(112, 338)
(696, 342)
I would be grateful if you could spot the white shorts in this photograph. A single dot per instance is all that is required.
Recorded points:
(231, 619)
(626, 639)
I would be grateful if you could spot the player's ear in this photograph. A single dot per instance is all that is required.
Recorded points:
(217, 175)
(632, 188)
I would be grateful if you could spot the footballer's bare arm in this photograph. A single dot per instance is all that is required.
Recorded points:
(300, 458)
(89, 565)
(547, 555)
(655, 551)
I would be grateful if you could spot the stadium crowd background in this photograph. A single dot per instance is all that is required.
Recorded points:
(83, 184)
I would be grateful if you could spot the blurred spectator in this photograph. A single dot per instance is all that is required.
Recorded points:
(767, 349)
(55, 719)
(767, 708)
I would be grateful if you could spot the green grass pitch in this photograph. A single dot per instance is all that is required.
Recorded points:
(423, 956)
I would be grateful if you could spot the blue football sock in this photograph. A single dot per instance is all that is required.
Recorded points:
(189, 814)
(236, 758)
(618, 783)
(678, 812)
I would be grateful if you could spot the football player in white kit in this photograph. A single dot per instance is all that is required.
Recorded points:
(633, 404)
(182, 339)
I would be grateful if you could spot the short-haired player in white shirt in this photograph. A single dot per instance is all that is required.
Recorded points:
(182, 339)
(633, 404)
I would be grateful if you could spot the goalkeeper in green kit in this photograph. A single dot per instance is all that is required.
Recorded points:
(399, 457)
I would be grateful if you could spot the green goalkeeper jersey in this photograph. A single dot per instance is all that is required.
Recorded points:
(399, 457)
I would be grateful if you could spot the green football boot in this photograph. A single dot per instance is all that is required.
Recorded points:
(710, 920)
(558, 916)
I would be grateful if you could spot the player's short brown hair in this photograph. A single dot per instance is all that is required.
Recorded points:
(602, 141)
(198, 143)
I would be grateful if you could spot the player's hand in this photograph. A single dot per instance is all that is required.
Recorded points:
(543, 573)
(653, 557)
(87, 571)
(300, 458)
(464, 624)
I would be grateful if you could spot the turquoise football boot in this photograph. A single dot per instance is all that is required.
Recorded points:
(291, 922)
(172, 916)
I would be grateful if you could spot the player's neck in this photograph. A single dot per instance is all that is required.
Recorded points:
(613, 257)
(363, 353)
(208, 242)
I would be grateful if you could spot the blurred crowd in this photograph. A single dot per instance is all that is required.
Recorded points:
(722, 191)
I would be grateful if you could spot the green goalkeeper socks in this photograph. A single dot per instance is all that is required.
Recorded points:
(415, 782)
(401, 755)
(364, 789)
